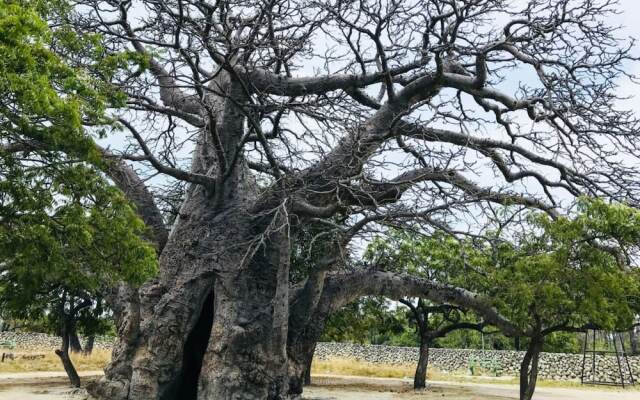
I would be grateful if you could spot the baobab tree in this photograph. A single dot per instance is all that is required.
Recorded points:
(273, 115)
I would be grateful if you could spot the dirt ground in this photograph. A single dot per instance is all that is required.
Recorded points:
(457, 392)
(52, 387)
(352, 388)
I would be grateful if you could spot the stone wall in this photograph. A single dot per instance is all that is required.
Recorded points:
(557, 366)
(40, 341)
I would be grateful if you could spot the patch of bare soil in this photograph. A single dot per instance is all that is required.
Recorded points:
(351, 388)
(436, 392)
(40, 392)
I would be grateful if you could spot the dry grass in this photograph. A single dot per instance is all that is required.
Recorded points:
(346, 366)
(343, 366)
(51, 362)
(335, 366)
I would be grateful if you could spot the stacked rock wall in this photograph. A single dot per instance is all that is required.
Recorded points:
(556, 366)
(30, 340)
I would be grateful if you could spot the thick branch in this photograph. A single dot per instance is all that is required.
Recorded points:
(263, 81)
(341, 289)
(170, 93)
(137, 192)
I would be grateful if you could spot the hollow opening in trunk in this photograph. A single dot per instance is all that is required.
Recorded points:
(186, 387)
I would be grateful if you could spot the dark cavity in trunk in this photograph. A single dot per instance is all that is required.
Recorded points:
(186, 386)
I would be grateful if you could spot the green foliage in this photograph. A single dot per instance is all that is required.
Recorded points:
(368, 321)
(563, 342)
(65, 232)
(567, 274)
(561, 272)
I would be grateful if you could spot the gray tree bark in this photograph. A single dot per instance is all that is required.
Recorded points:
(213, 325)
(216, 282)
(63, 353)
(529, 369)
(420, 377)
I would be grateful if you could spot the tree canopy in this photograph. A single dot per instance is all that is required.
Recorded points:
(553, 272)
(67, 235)
(546, 275)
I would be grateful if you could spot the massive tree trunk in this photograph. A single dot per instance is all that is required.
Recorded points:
(213, 325)
(420, 378)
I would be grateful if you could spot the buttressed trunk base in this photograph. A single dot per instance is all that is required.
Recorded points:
(214, 326)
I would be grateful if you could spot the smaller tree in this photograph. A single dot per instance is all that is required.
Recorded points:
(562, 274)
(401, 253)
(547, 275)
(66, 234)
(434, 321)
(59, 264)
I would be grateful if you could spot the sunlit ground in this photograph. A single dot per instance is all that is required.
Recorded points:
(343, 379)
(51, 362)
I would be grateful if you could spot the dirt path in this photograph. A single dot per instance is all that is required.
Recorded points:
(55, 378)
(39, 392)
(53, 386)
(7, 377)
(351, 388)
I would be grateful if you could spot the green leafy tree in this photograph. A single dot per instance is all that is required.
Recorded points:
(66, 234)
(553, 275)
(565, 274)
(367, 321)
(431, 321)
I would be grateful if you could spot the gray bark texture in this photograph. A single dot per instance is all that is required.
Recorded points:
(420, 377)
(212, 258)
(529, 369)
(213, 325)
